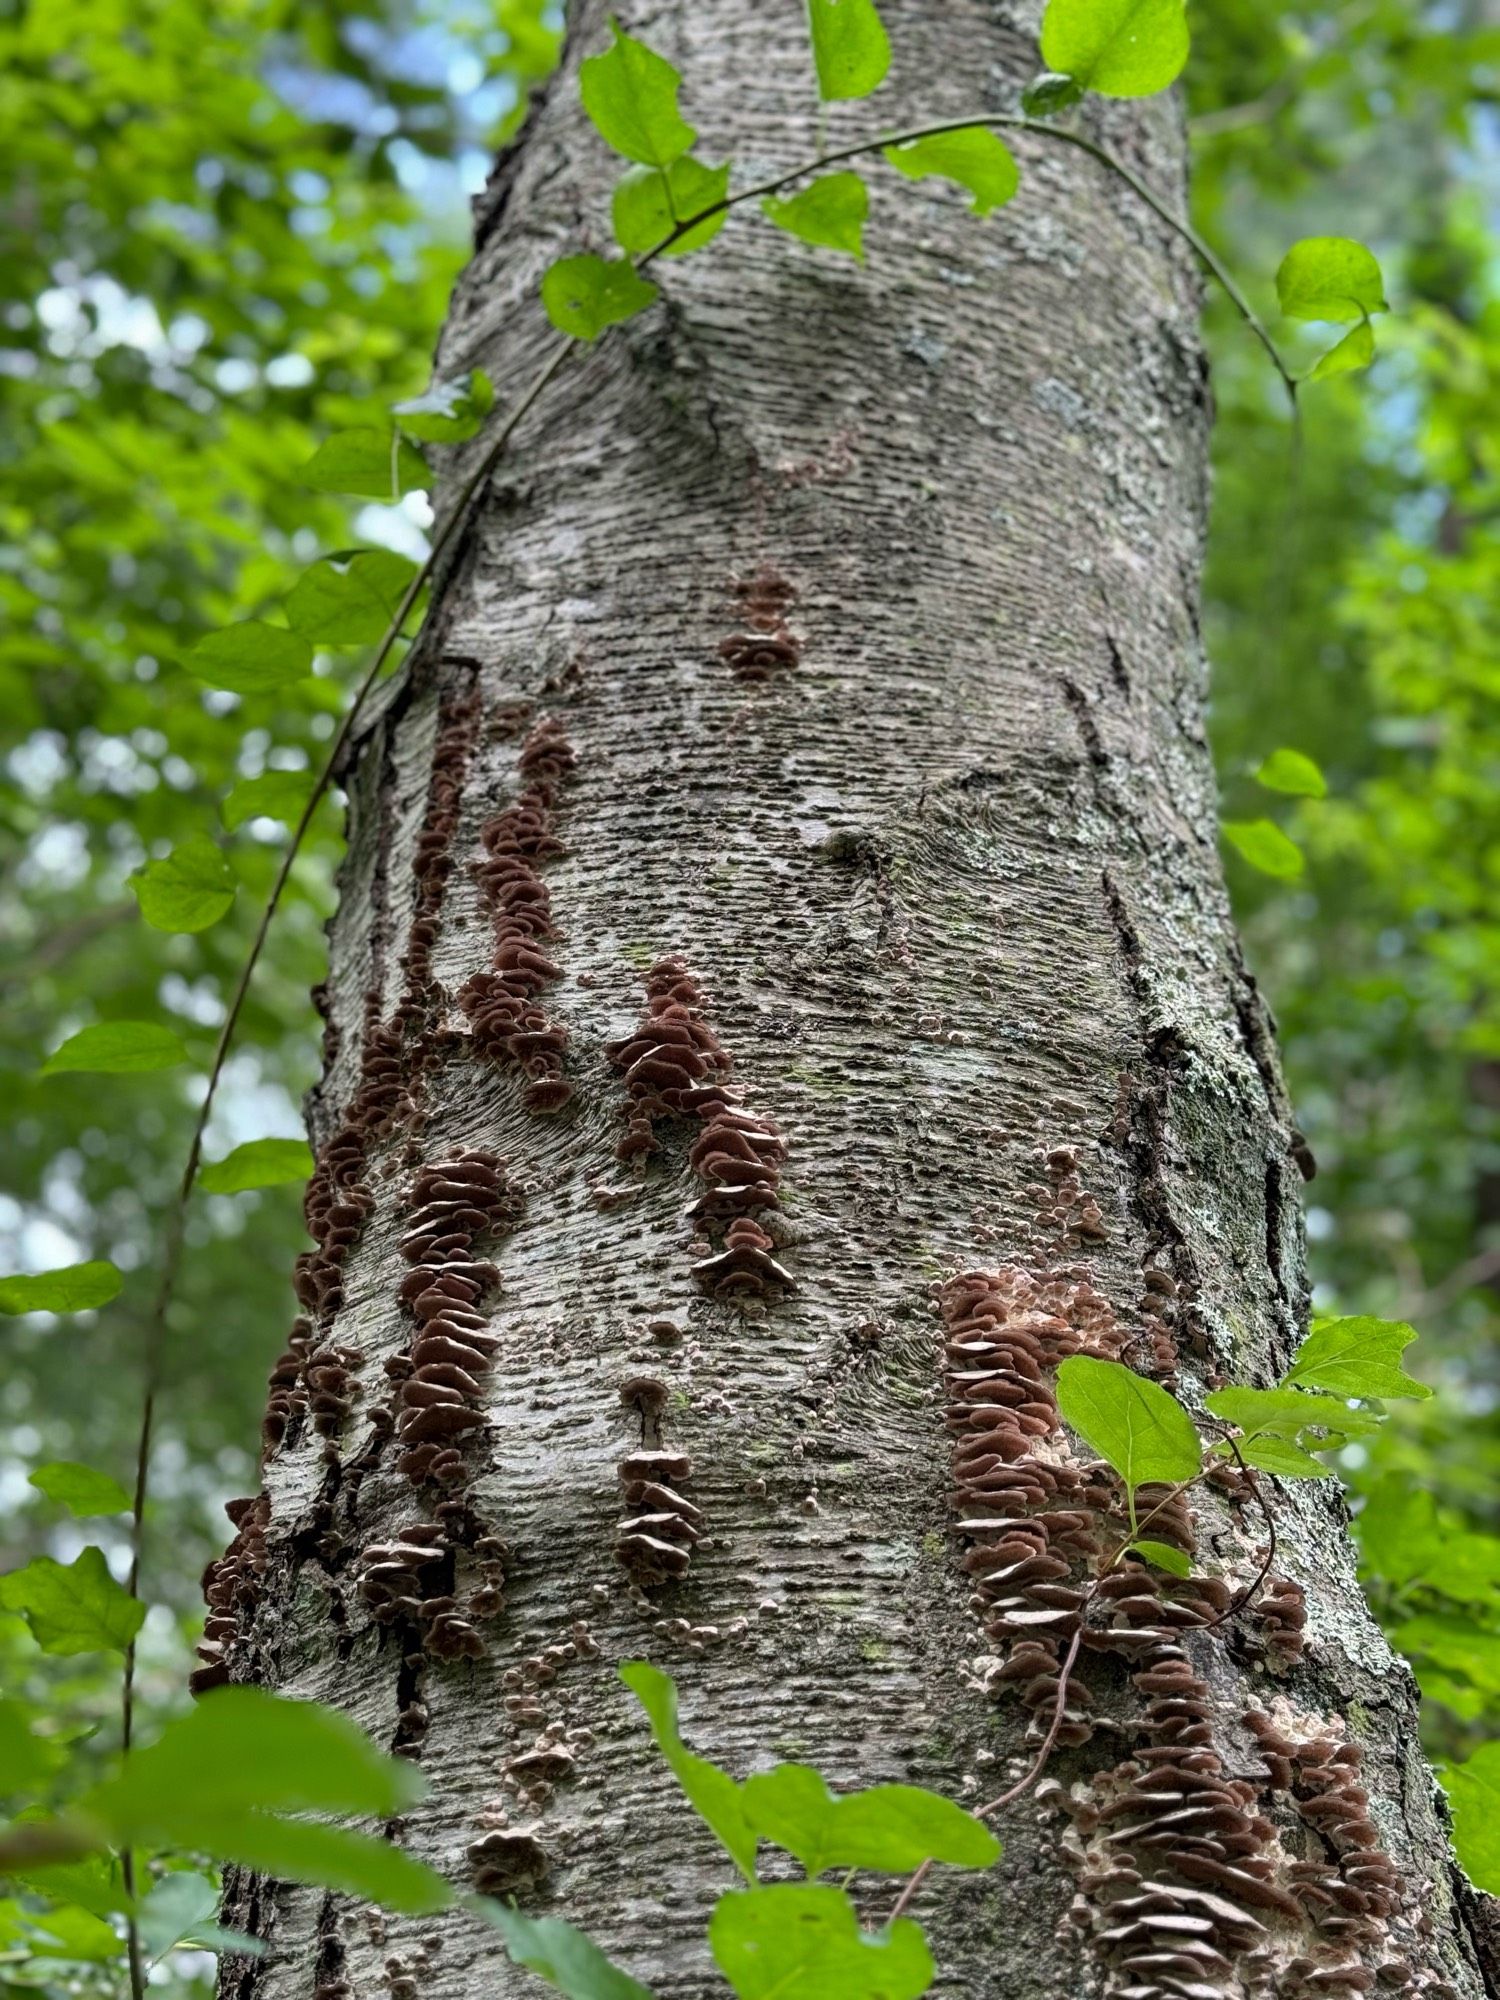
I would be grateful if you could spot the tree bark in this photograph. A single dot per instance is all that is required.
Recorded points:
(865, 600)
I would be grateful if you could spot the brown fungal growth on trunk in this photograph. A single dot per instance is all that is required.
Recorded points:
(508, 1022)
(766, 645)
(655, 1538)
(454, 1203)
(675, 1066)
(231, 1589)
(1030, 1517)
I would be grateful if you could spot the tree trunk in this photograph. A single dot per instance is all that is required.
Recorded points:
(831, 635)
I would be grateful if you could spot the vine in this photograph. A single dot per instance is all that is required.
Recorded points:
(234, 1778)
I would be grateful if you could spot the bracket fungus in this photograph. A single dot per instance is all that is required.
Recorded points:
(766, 645)
(675, 1066)
(508, 1022)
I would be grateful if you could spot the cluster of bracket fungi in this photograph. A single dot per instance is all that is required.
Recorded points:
(766, 645)
(439, 1380)
(1183, 1878)
(508, 1021)
(675, 1066)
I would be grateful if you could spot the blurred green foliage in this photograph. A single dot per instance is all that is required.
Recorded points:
(225, 234)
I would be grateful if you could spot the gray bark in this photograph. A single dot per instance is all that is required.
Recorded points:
(947, 876)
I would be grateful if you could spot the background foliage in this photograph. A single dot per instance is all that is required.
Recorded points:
(226, 233)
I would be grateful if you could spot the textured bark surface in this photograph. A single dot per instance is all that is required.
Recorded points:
(947, 876)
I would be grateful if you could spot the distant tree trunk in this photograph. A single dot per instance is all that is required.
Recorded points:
(831, 635)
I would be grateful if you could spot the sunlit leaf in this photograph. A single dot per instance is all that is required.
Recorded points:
(116, 1048)
(74, 1607)
(713, 1792)
(830, 214)
(558, 1953)
(1357, 1356)
(584, 295)
(1262, 843)
(1290, 771)
(649, 202)
(74, 1288)
(189, 889)
(630, 93)
(972, 156)
(79, 1488)
(1121, 48)
(70, 1932)
(1289, 1413)
(258, 1163)
(1330, 278)
(1163, 1556)
(891, 1827)
(851, 50)
(1355, 350)
(802, 1941)
(250, 658)
(1145, 1434)
(381, 465)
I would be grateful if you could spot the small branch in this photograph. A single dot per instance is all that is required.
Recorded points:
(1200, 247)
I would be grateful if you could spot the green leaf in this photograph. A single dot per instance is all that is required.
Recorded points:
(381, 465)
(328, 1857)
(1355, 350)
(241, 1748)
(1284, 1457)
(1048, 93)
(349, 600)
(1290, 771)
(558, 1953)
(1473, 1789)
(258, 1163)
(1458, 1645)
(27, 1761)
(69, 1932)
(116, 1048)
(74, 1607)
(80, 1489)
(649, 202)
(714, 1794)
(1357, 1356)
(802, 1941)
(1121, 48)
(1330, 278)
(273, 795)
(851, 50)
(220, 1780)
(449, 412)
(890, 1827)
(250, 658)
(630, 93)
(183, 1908)
(972, 156)
(74, 1288)
(1163, 1555)
(1144, 1433)
(830, 214)
(96, 1884)
(1262, 843)
(188, 889)
(583, 295)
(1290, 1413)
